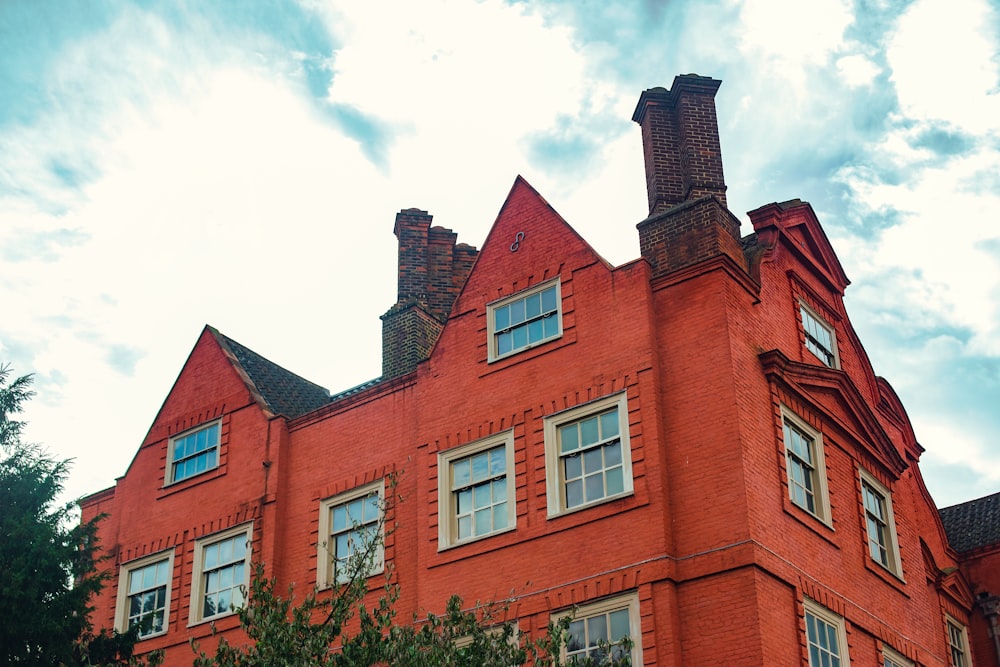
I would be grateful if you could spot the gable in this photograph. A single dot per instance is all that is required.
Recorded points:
(833, 393)
(528, 244)
(793, 225)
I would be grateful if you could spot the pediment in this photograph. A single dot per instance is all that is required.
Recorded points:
(794, 225)
(834, 394)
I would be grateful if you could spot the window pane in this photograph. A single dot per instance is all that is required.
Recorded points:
(593, 461)
(500, 489)
(588, 431)
(551, 326)
(500, 516)
(533, 306)
(536, 331)
(462, 471)
(505, 343)
(484, 520)
(609, 424)
(498, 460)
(613, 454)
(501, 318)
(573, 466)
(568, 438)
(480, 466)
(482, 495)
(574, 493)
(619, 624)
(595, 487)
(520, 337)
(465, 501)
(516, 312)
(597, 630)
(615, 480)
(549, 300)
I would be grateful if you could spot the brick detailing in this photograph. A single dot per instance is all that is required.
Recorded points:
(408, 335)
(688, 234)
(680, 138)
(432, 270)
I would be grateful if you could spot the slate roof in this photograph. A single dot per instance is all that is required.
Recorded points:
(973, 524)
(285, 392)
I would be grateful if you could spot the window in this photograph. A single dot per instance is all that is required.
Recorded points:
(879, 523)
(609, 629)
(958, 644)
(806, 467)
(820, 339)
(476, 490)
(524, 320)
(144, 595)
(587, 454)
(222, 563)
(826, 637)
(350, 528)
(892, 659)
(194, 452)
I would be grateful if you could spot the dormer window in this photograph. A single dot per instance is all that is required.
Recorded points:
(524, 320)
(194, 452)
(819, 337)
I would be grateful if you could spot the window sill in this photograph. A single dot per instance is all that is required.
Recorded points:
(592, 504)
(474, 540)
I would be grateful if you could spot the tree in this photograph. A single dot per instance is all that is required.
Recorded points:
(341, 629)
(48, 568)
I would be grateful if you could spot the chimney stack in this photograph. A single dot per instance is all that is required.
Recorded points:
(680, 139)
(688, 220)
(432, 269)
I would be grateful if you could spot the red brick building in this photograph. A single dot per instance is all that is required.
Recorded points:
(691, 448)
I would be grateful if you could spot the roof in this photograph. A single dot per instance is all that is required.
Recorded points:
(973, 524)
(284, 392)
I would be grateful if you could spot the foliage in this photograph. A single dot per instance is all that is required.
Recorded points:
(48, 568)
(353, 627)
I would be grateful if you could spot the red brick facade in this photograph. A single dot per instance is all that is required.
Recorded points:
(700, 357)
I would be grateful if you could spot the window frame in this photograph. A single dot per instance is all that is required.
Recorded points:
(169, 476)
(583, 612)
(836, 621)
(555, 484)
(448, 531)
(326, 556)
(493, 353)
(809, 314)
(198, 573)
(820, 491)
(893, 562)
(122, 605)
(892, 658)
(951, 623)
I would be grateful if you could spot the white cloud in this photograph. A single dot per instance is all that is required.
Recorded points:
(943, 57)
(857, 70)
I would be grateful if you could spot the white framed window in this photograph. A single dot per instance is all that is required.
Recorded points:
(528, 318)
(891, 658)
(880, 524)
(588, 459)
(222, 564)
(806, 466)
(144, 587)
(605, 629)
(351, 527)
(193, 452)
(958, 643)
(821, 339)
(476, 490)
(826, 637)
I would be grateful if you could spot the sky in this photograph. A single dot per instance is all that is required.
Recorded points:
(170, 164)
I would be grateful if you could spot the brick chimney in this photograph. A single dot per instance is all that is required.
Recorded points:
(432, 270)
(688, 220)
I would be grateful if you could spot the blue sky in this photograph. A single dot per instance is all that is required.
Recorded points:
(169, 164)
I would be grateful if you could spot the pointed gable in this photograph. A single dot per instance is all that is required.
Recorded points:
(795, 222)
(529, 243)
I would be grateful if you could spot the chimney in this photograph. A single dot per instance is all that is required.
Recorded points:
(688, 220)
(431, 272)
(680, 140)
